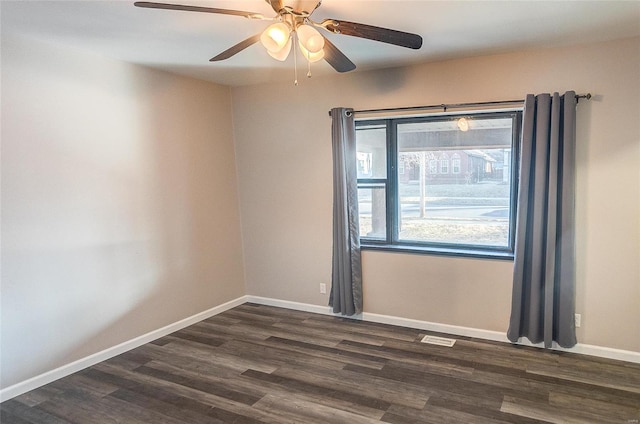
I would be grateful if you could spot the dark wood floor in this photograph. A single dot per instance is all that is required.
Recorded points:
(256, 364)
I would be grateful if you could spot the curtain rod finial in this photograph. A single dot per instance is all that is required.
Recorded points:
(583, 96)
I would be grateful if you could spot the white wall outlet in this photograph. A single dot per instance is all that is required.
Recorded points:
(578, 320)
(323, 288)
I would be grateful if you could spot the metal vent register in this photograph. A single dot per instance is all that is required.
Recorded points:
(440, 341)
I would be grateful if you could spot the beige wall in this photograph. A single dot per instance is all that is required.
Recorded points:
(119, 204)
(283, 149)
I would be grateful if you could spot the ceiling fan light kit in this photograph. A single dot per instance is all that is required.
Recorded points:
(311, 57)
(294, 25)
(275, 37)
(309, 38)
(281, 54)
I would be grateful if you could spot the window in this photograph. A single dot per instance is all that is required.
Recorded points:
(455, 163)
(372, 180)
(430, 187)
(364, 163)
(433, 166)
(444, 164)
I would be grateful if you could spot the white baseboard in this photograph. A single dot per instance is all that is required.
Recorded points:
(80, 364)
(580, 348)
(288, 304)
(65, 370)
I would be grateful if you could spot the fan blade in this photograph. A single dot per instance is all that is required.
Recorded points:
(186, 8)
(236, 49)
(305, 6)
(276, 5)
(336, 58)
(298, 6)
(390, 36)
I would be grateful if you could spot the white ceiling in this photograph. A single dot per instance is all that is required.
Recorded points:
(183, 42)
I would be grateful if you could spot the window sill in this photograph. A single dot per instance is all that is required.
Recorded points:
(440, 251)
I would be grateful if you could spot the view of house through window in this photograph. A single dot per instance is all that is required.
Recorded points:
(371, 154)
(426, 182)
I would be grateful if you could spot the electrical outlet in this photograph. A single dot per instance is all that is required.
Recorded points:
(578, 320)
(323, 288)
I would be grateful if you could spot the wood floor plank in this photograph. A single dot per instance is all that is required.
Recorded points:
(81, 383)
(456, 355)
(182, 351)
(151, 385)
(400, 393)
(366, 327)
(615, 398)
(595, 409)
(231, 417)
(478, 410)
(8, 418)
(588, 362)
(230, 387)
(267, 331)
(199, 383)
(222, 319)
(18, 410)
(39, 395)
(625, 381)
(515, 353)
(547, 413)
(449, 384)
(282, 313)
(252, 315)
(198, 338)
(298, 385)
(260, 364)
(276, 355)
(167, 405)
(302, 411)
(335, 353)
(328, 333)
(279, 389)
(78, 407)
(411, 359)
(435, 415)
(131, 359)
(413, 351)
(229, 331)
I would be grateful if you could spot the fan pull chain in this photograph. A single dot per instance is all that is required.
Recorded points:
(295, 59)
(308, 65)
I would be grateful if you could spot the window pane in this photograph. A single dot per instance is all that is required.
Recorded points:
(371, 145)
(456, 184)
(372, 211)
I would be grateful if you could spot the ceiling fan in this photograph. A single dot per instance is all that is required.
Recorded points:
(293, 23)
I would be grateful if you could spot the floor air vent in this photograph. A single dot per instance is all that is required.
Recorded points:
(440, 341)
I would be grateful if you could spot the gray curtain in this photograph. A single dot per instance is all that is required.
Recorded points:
(543, 299)
(346, 275)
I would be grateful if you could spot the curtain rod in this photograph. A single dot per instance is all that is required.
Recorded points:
(455, 105)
